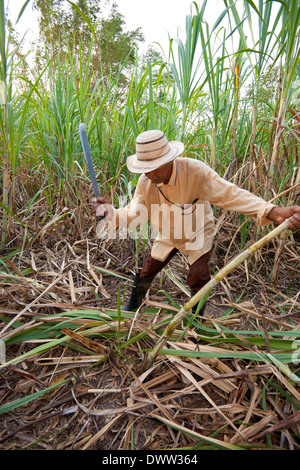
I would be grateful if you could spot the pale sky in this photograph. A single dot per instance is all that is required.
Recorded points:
(157, 18)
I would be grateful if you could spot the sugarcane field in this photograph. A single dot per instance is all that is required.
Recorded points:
(150, 227)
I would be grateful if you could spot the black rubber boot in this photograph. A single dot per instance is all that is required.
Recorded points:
(201, 311)
(139, 290)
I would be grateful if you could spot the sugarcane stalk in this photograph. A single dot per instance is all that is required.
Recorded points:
(278, 135)
(236, 84)
(5, 177)
(206, 290)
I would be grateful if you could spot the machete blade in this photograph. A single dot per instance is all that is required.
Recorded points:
(88, 158)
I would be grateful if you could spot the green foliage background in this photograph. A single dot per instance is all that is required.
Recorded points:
(230, 91)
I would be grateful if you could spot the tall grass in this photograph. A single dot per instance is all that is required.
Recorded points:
(15, 119)
(199, 94)
(277, 42)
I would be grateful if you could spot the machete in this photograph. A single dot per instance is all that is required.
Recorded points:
(88, 158)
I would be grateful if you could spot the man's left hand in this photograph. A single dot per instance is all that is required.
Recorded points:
(280, 214)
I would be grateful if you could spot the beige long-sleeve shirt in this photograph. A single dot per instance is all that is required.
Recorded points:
(181, 210)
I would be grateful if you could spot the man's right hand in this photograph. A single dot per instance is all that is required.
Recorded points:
(102, 206)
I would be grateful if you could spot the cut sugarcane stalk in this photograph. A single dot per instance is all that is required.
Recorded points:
(206, 290)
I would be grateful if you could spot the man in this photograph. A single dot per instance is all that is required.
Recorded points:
(176, 194)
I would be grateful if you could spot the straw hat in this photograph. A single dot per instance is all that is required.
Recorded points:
(152, 151)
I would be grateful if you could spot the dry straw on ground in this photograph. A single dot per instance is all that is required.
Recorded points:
(77, 364)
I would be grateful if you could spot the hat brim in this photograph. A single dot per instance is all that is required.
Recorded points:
(138, 166)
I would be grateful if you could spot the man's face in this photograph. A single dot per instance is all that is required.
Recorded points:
(161, 174)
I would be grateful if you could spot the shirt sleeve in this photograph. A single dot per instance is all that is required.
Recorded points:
(229, 196)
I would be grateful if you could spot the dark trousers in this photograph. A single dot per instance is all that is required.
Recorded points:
(198, 275)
